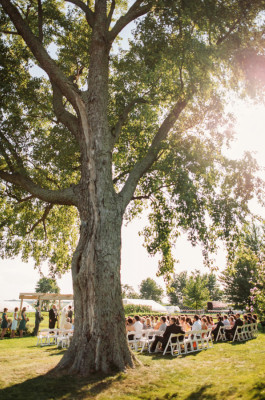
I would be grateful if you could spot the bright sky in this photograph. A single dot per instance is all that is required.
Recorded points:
(16, 277)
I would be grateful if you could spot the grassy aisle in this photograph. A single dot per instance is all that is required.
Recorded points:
(228, 371)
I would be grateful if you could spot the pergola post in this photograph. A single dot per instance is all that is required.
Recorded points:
(58, 321)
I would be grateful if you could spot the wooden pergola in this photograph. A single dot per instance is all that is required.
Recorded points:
(45, 296)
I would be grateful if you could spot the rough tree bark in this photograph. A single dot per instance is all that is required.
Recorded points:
(99, 342)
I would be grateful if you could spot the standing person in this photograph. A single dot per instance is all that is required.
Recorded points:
(4, 323)
(70, 313)
(38, 319)
(53, 316)
(14, 322)
(63, 317)
(22, 324)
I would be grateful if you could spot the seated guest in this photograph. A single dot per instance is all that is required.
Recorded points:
(138, 326)
(184, 324)
(188, 321)
(246, 320)
(130, 327)
(196, 326)
(210, 322)
(147, 324)
(217, 326)
(226, 321)
(252, 318)
(174, 327)
(231, 321)
(204, 325)
(230, 332)
(163, 324)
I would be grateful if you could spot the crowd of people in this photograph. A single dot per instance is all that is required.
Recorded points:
(166, 325)
(19, 320)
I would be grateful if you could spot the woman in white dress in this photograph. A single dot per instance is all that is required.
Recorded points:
(63, 318)
(14, 322)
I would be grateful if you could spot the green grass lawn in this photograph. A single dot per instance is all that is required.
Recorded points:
(227, 371)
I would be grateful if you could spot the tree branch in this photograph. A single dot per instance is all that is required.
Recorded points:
(143, 165)
(40, 20)
(123, 118)
(64, 116)
(231, 29)
(9, 32)
(12, 150)
(112, 8)
(134, 12)
(42, 219)
(63, 197)
(121, 175)
(88, 12)
(46, 62)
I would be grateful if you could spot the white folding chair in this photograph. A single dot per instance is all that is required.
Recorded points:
(175, 344)
(147, 339)
(208, 340)
(43, 337)
(191, 342)
(134, 339)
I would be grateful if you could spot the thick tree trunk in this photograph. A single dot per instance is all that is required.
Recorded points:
(99, 342)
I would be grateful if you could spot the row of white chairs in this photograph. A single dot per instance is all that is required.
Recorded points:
(246, 332)
(59, 337)
(177, 343)
(242, 333)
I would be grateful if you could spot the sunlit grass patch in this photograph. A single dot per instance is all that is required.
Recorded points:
(227, 371)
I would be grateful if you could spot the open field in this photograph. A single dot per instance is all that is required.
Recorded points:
(228, 371)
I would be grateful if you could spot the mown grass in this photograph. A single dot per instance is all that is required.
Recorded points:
(228, 371)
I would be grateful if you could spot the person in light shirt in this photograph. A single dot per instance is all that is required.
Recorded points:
(226, 321)
(138, 326)
(196, 326)
(163, 324)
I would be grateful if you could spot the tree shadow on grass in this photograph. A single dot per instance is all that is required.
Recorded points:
(258, 391)
(66, 387)
(201, 394)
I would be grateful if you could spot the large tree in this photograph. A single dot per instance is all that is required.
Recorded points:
(196, 293)
(47, 285)
(245, 271)
(149, 289)
(104, 133)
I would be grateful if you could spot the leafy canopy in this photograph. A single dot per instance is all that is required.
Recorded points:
(182, 56)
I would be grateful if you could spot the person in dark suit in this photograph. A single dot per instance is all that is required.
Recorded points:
(53, 316)
(230, 332)
(216, 329)
(38, 319)
(174, 327)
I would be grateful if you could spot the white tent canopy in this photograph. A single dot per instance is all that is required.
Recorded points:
(151, 303)
(11, 304)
